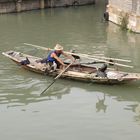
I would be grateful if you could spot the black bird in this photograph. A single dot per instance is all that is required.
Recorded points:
(75, 56)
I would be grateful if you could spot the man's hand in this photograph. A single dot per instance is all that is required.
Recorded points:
(73, 59)
(64, 66)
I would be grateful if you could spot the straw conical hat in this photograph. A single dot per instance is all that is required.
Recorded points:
(58, 47)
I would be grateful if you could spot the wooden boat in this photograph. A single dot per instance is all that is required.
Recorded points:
(76, 71)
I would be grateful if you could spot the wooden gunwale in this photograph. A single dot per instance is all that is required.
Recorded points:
(76, 75)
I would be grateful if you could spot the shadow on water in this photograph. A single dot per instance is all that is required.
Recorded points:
(21, 88)
(125, 93)
(18, 87)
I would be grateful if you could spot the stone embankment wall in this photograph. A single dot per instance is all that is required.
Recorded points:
(125, 13)
(7, 6)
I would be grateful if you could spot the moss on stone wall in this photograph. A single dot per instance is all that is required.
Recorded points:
(124, 21)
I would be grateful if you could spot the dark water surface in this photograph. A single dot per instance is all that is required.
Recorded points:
(71, 110)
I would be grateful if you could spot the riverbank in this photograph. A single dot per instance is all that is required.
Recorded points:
(8, 6)
(125, 13)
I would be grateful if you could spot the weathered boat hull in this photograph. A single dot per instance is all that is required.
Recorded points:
(75, 72)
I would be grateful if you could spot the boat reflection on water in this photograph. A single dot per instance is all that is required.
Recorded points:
(22, 90)
(25, 93)
(127, 93)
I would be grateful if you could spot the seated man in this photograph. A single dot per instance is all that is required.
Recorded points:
(53, 58)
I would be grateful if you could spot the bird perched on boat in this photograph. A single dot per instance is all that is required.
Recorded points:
(53, 58)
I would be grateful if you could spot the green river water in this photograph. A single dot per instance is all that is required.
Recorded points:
(70, 110)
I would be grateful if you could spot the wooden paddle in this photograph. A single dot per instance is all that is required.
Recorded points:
(84, 55)
(87, 55)
(56, 78)
(106, 58)
(101, 60)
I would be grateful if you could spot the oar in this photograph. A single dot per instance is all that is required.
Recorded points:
(99, 59)
(39, 47)
(109, 62)
(83, 55)
(95, 55)
(90, 63)
(107, 58)
(56, 78)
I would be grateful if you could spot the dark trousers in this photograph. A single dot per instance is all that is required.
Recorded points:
(50, 63)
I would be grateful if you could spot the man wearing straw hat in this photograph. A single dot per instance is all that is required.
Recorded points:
(54, 60)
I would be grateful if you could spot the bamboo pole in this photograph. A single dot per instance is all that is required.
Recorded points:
(82, 55)
(107, 58)
(101, 60)
(86, 55)
(39, 47)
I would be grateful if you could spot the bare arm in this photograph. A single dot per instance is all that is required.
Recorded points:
(68, 56)
(57, 58)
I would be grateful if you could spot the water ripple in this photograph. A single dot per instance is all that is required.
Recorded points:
(18, 90)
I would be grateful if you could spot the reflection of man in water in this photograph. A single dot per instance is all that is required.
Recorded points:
(100, 105)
